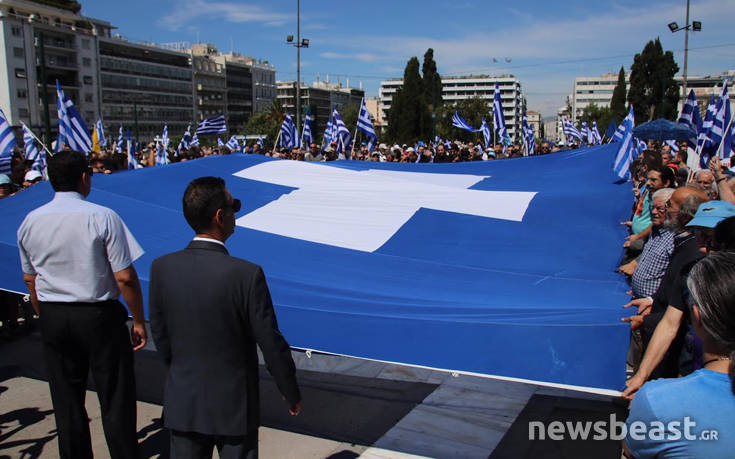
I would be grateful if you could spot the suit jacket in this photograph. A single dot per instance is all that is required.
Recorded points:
(207, 312)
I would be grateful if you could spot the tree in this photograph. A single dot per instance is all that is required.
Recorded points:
(472, 110)
(617, 104)
(602, 115)
(653, 91)
(267, 122)
(432, 82)
(409, 117)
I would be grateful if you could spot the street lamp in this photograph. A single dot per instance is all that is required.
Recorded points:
(696, 26)
(299, 43)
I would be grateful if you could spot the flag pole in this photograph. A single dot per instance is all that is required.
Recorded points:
(276, 142)
(721, 148)
(37, 139)
(354, 137)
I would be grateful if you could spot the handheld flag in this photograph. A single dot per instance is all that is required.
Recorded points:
(621, 166)
(72, 129)
(185, 141)
(120, 141)
(487, 135)
(233, 144)
(7, 143)
(342, 134)
(595, 134)
(213, 125)
(365, 124)
(306, 133)
(194, 140)
(458, 121)
(220, 143)
(610, 131)
(100, 133)
(132, 158)
(33, 153)
(288, 133)
(498, 116)
(690, 115)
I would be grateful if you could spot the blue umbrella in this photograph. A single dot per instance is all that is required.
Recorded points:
(663, 129)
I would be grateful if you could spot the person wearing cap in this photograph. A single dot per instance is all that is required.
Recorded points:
(31, 178)
(330, 154)
(666, 339)
(6, 186)
(77, 259)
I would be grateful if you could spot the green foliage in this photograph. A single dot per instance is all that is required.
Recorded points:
(349, 115)
(432, 81)
(617, 104)
(472, 110)
(409, 119)
(653, 91)
(602, 115)
(267, 122)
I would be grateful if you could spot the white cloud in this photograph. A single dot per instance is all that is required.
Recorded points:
(187, 11)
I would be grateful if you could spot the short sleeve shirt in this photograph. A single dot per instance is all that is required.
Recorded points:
(74, 247)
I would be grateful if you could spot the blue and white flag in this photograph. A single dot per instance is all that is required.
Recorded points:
(595, 136)
(585, 132)
(164, 137)
(288, 133)
(7, 143)
(620, 132)
(120, 141)
(458, 121)
(100, 133)
(610, 131)
(185, 141)
(690, 116)
(329, 131)
(703, 135)
(343, 135)
(365, 124)
(721, 121)
(498, 116)
(306, 133)
(213, 125)
(132, 158)
(33, 153)
(233, 144)
(162, 149)
(528, 138)
(194, 140)
(570, 132)
(220, 143)
(487, 134)
(72, 128)
(627, 150)
(260, 141)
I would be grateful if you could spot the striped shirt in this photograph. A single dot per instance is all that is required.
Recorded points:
(653, 262)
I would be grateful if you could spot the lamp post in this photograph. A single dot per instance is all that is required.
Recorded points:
(696, 26)
(300, 43)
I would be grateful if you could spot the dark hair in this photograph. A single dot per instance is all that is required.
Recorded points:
(65, 170)
(667, 175)
(724, 235)
(712, 285)
(202, 198)
(683, 155)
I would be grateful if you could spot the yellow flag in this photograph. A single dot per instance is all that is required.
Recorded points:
(95, 141)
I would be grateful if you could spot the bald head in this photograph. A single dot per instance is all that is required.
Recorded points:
(683, 204)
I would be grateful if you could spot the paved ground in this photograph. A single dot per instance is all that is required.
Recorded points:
(27, 429)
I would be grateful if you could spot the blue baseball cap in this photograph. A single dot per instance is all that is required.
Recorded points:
(710, 213)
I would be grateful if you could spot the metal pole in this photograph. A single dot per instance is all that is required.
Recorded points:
(686, 49)
(44, 96)
(135, 119)
(298, 66)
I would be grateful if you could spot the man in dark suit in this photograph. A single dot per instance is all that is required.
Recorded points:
(208, 310)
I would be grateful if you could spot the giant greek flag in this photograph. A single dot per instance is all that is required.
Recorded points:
(359, 263)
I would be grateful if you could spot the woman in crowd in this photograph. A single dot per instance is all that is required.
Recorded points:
(704, 400)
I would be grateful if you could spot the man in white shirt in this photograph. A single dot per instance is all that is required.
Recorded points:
(77, 258)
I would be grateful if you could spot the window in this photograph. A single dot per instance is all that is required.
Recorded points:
(87, 79)
(16, 31)
(20, 73)
(18, 52)
(22, 94)
(85, 43)
(23, 112)
(87, 62)
(88, 97)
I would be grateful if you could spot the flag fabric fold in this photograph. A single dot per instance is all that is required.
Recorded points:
(73, 130)
(213, 125)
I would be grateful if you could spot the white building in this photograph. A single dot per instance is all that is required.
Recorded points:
(70, 49)
(706, 86)
(594, 90)
(459, 88)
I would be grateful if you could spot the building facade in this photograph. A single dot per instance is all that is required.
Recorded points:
(594, 90)
(534, 120)
(459, 88)
(318, 100)
(705, 87)
(144, 87)
(68, 43)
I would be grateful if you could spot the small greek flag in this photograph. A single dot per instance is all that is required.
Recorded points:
(288, 133)
(342, 133)
(7, 143)
(306, 133)
(120, 141)
(625, 155)
(72, 129)
(220, 143)
(194, 140)
(185, 141)
(595, 134)
(213, 125)
(487, 135)
(365, 124)
(458, 121)
(233, 144)
(498, 116)
(33, 153)
(620, 132)
(100, 133)
(132, 158)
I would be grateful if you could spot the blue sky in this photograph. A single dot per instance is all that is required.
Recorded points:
(547, 43)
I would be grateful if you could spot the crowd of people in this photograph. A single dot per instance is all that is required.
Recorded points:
(679, 258)
(107, 160)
